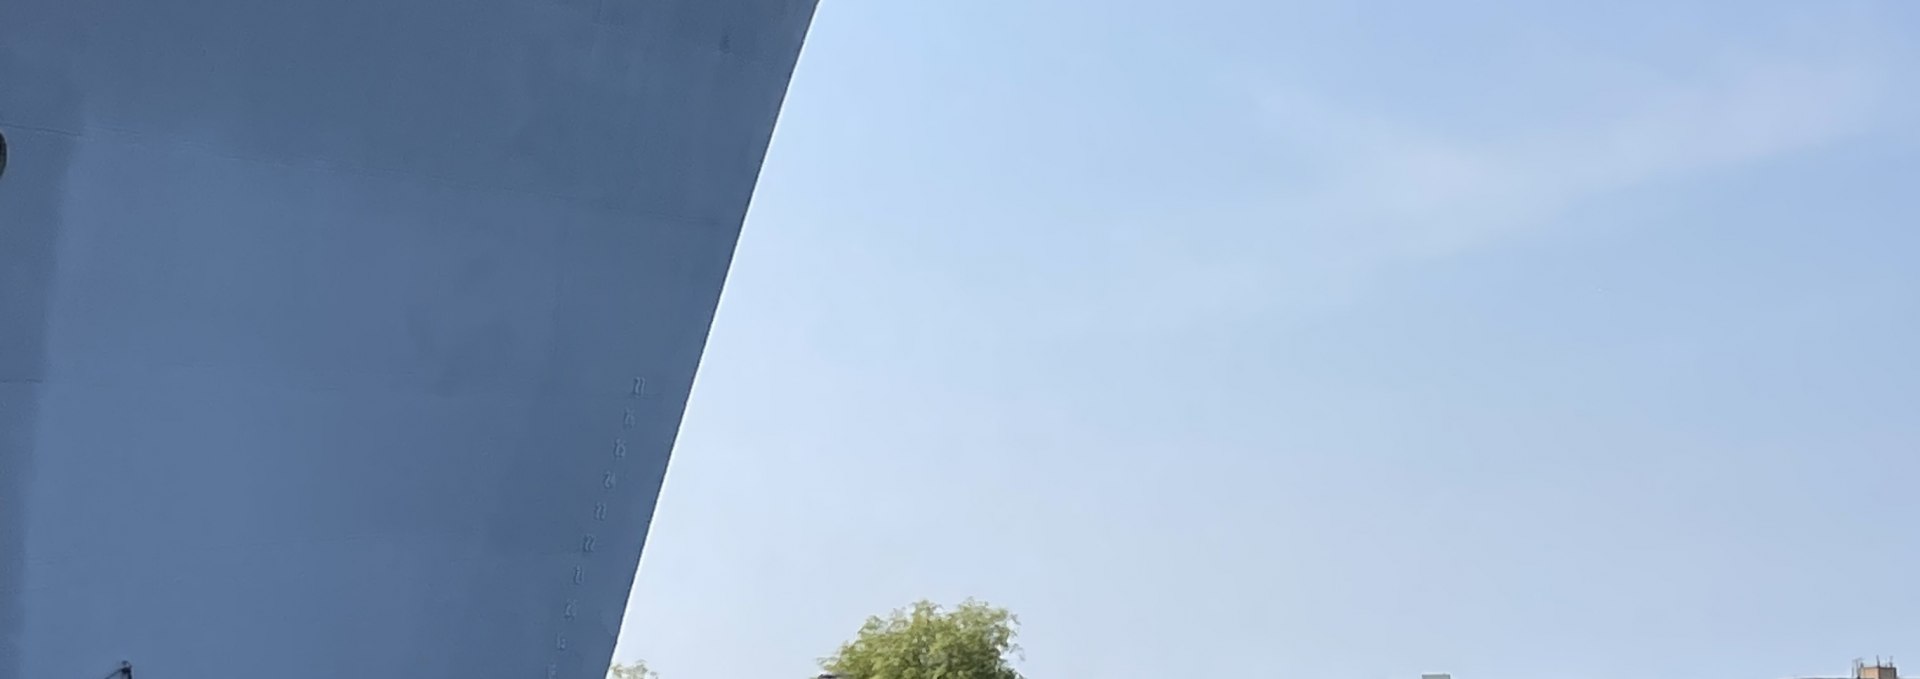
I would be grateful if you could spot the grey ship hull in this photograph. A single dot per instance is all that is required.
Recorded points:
(349, 338)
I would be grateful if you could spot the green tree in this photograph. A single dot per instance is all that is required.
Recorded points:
(924, 641)
(637, 670)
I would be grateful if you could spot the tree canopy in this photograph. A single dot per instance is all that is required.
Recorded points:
(924, 641)
(637, 670)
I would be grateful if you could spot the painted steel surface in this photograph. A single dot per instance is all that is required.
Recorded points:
(349, 338)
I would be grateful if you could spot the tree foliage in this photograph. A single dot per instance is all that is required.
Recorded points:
(637, 670)
(924, 641)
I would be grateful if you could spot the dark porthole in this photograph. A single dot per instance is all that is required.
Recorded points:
(3, 154)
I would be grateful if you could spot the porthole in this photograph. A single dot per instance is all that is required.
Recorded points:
(3, 154)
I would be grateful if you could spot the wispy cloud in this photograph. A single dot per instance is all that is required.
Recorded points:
(1384, 193)
(1396, 191)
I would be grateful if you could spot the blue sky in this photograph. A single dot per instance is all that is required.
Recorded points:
(1244, 338)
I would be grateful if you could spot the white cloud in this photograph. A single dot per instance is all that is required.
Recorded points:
(1399, 192)
(1386, 193)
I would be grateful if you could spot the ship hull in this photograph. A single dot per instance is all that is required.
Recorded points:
(350, 338)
